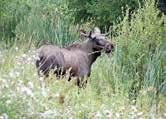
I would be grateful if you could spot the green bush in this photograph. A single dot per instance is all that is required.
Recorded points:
(101, 12)
(140, 56)
(11, 13)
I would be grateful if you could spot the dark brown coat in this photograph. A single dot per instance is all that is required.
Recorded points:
(77, 57)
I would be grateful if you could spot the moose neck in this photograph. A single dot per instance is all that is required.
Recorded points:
(92, 53)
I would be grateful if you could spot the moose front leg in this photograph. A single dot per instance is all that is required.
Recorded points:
(83, 78)
(82, 82)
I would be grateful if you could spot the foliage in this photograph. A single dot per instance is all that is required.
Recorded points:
(11, 13)
(141, 50)
(24, 95)
(48, 23)
(40, 22)
(52, 16)
(102, 12)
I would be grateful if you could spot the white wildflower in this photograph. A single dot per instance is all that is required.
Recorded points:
(17, 74)
(8, 102)
(29, 59)
(49, 113)
(18, 63)
(132, 115)
(35, 74)
(164, 115)
(134, 108)
(44, 93)
(57, 95)
(24, 56)
(4, 83)
(25, 90)
(2, 60)
(108, 113)
(98, 115)
(41, 79)
(122, 108)
(14, 73)
(16, 48)
(11, 74)
(117, 115)
(4, 116)
(30, 85)
(139, 114)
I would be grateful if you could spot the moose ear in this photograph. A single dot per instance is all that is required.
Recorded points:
(97, 30)
(92, 35)
(84, 33)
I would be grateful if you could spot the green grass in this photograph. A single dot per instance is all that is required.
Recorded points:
(23, 94)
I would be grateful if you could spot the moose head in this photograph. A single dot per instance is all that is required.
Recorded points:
(98, 40)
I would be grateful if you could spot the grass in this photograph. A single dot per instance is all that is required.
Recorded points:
(25, 95)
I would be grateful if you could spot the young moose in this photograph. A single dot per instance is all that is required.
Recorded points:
(77, 57)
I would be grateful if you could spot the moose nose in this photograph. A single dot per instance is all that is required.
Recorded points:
(109, 48)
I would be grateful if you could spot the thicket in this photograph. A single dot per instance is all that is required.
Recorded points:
(102, 12)
(140, 55)
(52, 21)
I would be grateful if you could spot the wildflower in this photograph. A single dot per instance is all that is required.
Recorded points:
(165, 115)
(49, 113)
(117, 115)
(24, 56)
(30, 85)
(2, 60)
(35, 74)
(11, 74)
(14, 73)
(18, 63)
(57, 95)
(134, 108)
(122, 108)
(25, 90)
(17, 74)
(97, 115)
(16, 48)
(41, 78)
(44, 93)
(139, 114)
(5, 83)
(132, 115)
(8, 102)
(4, 116)
(29, 59)
(108, 113)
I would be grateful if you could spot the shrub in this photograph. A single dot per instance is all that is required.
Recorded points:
(48, 22)
(140, 55)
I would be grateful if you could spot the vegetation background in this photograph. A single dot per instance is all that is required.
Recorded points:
(130, 83)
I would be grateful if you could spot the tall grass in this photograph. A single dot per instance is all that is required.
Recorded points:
(48, 22)
(140, 53)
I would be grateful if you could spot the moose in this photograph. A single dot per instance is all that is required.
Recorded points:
(78, 58)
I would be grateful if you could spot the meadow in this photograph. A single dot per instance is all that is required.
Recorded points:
(130, 83)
